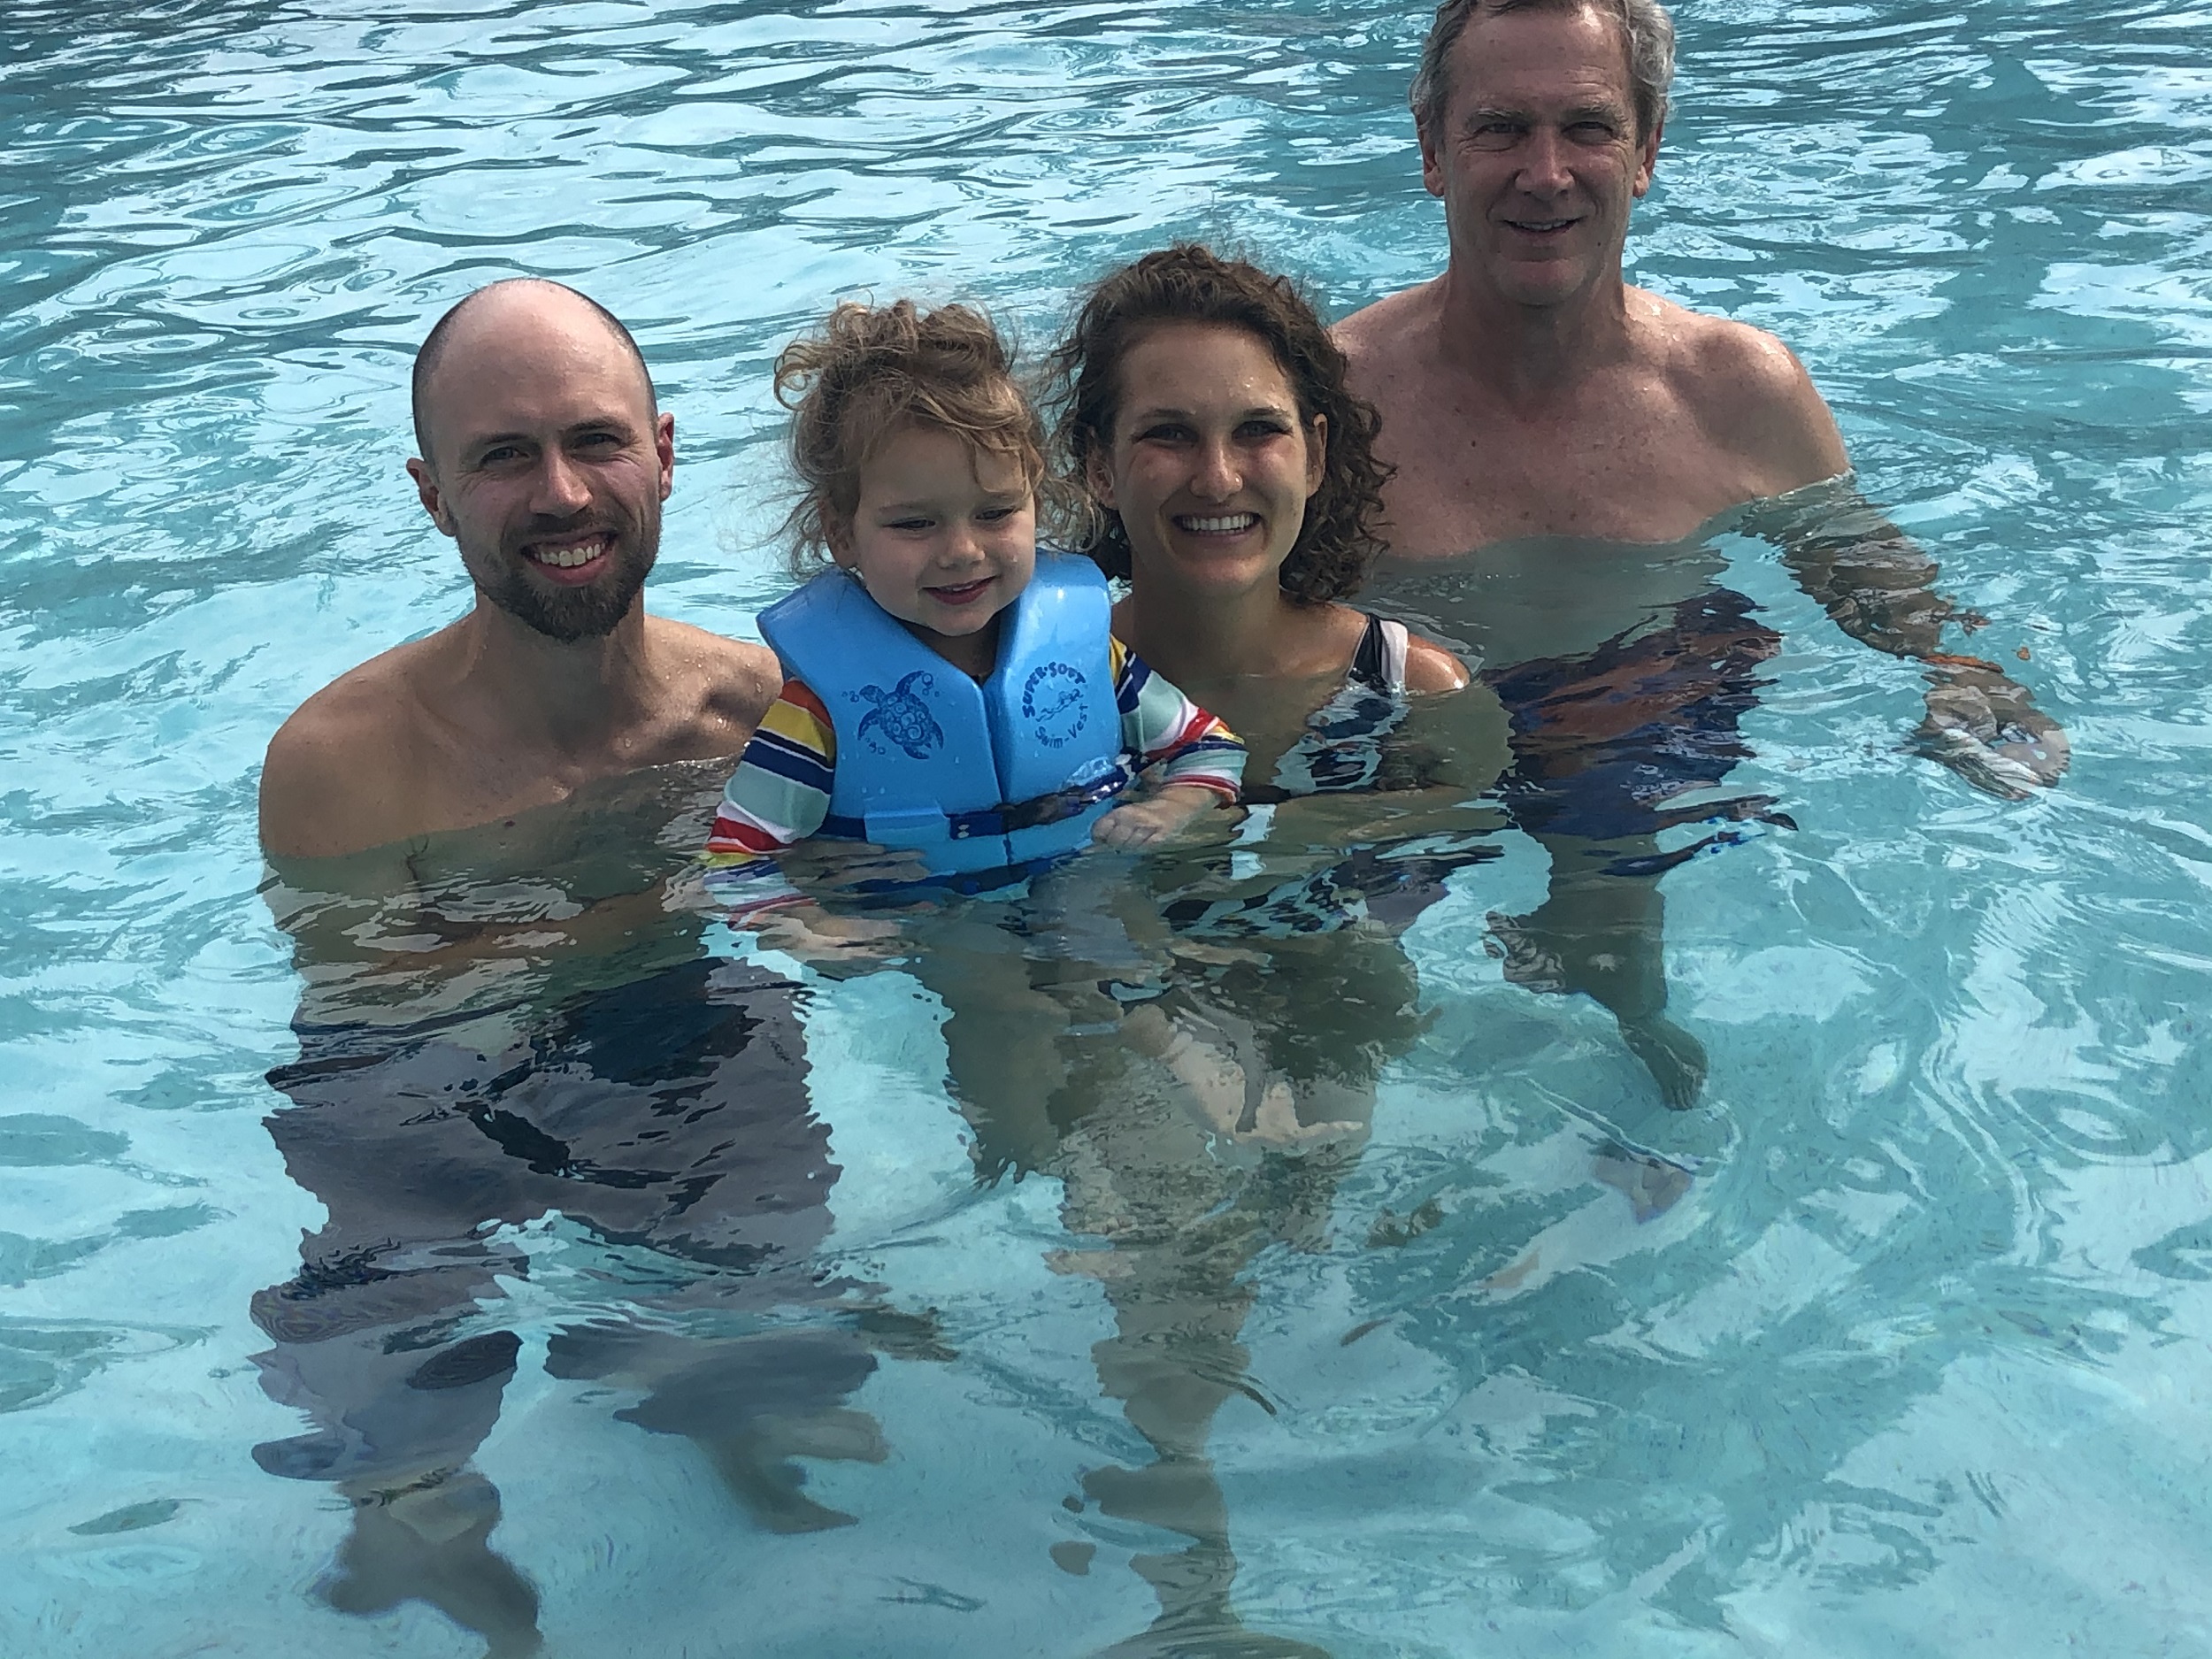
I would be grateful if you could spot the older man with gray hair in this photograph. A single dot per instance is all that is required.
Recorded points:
(1551, 397)
(1570, 442)
(1530, 392)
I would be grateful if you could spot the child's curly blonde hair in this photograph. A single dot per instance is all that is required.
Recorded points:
(869, 370)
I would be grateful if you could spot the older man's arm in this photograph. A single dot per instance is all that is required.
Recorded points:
(1878, 586)
(1761, 408)
(1865, 572)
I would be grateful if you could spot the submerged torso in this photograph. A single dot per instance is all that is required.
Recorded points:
(475, 918)
(1625, 668)
(1546, 596)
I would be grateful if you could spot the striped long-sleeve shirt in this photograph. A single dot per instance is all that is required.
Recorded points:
(780, 792)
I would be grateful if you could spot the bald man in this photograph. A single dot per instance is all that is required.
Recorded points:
(544, 456)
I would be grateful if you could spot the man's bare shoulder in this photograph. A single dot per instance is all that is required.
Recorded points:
(1393, 337)
(729, 682)
(1749, 391)
(336, 770)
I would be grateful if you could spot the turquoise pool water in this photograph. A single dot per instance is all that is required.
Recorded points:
(1914, 1362)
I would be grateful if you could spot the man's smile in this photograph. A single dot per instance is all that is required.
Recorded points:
(570, 559)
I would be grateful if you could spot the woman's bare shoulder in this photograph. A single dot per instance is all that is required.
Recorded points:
(1431, 667)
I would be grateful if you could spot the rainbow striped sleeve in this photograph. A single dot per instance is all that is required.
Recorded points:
(1165, 729)
(779, 794)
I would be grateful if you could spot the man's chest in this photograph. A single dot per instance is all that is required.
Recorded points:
(1633, 466)
(505, 809)
(458, 776)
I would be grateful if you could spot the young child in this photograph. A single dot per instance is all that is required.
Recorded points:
(949, 691)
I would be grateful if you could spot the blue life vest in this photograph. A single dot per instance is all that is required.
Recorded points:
(975, 776)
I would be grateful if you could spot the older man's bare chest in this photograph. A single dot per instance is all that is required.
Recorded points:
(1625, 458)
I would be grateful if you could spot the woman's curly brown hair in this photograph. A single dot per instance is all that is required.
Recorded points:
(1190, 283)
(870, 370)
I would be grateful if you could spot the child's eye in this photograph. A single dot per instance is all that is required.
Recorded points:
(912, 524)
(993, 515)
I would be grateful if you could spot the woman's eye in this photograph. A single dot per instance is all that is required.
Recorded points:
(1166, 431)
(1253, 430)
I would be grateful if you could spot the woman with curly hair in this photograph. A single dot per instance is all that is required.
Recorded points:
(1201, 407)
(1233, 481)
(1232, 484)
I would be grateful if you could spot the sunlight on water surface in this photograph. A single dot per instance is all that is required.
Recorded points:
(1895, 1344)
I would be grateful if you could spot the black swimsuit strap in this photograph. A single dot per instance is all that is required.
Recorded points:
(1367, 667)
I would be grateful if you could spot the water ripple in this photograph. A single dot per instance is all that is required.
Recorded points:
(1931, 1268)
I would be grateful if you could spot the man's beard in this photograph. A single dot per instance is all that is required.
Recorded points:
(570, 614)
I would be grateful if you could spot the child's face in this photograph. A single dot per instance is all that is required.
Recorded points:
(944, 538)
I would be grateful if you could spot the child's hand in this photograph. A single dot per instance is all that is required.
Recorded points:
(1149, 822)
(826, 865)
(821, 939)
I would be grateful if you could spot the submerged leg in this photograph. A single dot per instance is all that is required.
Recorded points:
(1005, 1038)
(1173, 1362)
(752, 1404)
(1601, 933)
(1184, 1231)
(430, 1541)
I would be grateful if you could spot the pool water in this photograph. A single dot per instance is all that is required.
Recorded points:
(1894, 1344)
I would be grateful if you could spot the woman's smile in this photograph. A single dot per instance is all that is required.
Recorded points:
(1212, 463)
(1222, 525)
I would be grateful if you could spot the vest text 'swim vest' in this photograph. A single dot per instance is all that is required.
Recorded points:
(974, 776)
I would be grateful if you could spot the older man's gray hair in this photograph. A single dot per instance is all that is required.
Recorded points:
(1644, 24)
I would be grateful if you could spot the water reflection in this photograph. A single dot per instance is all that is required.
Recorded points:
(465, 1069)
(1626, 672)
(1191, 1045)
(1173, 1205)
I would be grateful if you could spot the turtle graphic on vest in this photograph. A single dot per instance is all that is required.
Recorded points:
(902, 717)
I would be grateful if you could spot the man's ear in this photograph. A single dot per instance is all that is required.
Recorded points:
(428, 492)
(664, 451)
(1431, 167)
(1647, 159)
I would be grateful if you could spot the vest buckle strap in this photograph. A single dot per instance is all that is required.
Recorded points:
(1009, 817)
(1064, 803)
(1003, 819)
